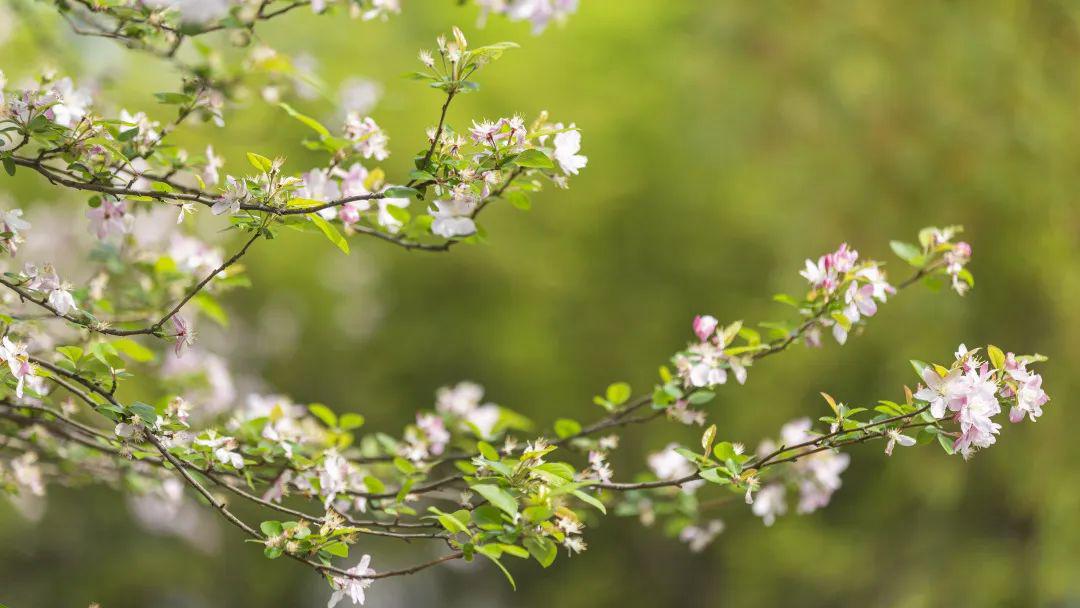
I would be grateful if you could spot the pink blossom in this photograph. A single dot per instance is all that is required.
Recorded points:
(704, 326)
(11, 223)
(699, 537)
(352, 587)
(896, 437)
(1026, 387)
(18, 360)
(769, 503)
(318, 186)
(109, 219)
(184, 335)
(434, 432)
(368, 138)
(460, 399)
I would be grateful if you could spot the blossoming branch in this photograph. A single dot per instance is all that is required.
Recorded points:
(467, 474)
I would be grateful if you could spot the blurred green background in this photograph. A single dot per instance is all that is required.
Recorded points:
(727, 141)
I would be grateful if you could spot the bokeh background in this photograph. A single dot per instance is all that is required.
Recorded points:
(727, 141)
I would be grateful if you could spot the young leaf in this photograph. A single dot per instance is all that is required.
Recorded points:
(259, 161)
(618, 393)
(708, 438)
(534, 159)
(565, 427)
(307, 120)
(498, 497)
(271, 528)
(487, 450)
(323, 413)
(907, 252)
(997, 357)
(331, 233)
(592, 500)
(542, 549)
(338, 549)
(492, 553)
(350, 421)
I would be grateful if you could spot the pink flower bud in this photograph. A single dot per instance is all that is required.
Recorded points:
(704, 326)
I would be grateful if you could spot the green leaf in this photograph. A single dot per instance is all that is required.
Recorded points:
(104, 352)
(260, 162)
(487, 450)
(946, 444)
(176, 99)
(492, 553)
(338, 549)
(907, 252)
(514, 550)
(724, 451)
(714, 475)
(323, 413)
(542, 549)
(71, 353)
(919, 366)
(374, 485)
(565, 427)
(591, 500)
(271, 528)
(400, 192)
(451, 521)
(134, 350)
(699, 397)
(560, 470)
(842, 320)
(534, 159)
(997, 357)
(404, 466)
(487, 517)
(331, 233)
(707, 439)
(519, 199)
(350, 421)
(618, 393)
(537, 513)
(498, 497)
(307, 120)
(144, 411)
(966, 276)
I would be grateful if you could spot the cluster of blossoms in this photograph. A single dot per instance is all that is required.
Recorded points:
(352, 586)
(326, 185)
(368, 139)
(18, 363)
(705, 363)
(538, 12)
(47, 283)
(12, 225)
(847, 289)
(972, 392)
(956, 256)
(937, 251)
(168, 14)
(956, 407)
(669, 465)
(815, 475)
(461, 405)
(599, 466)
